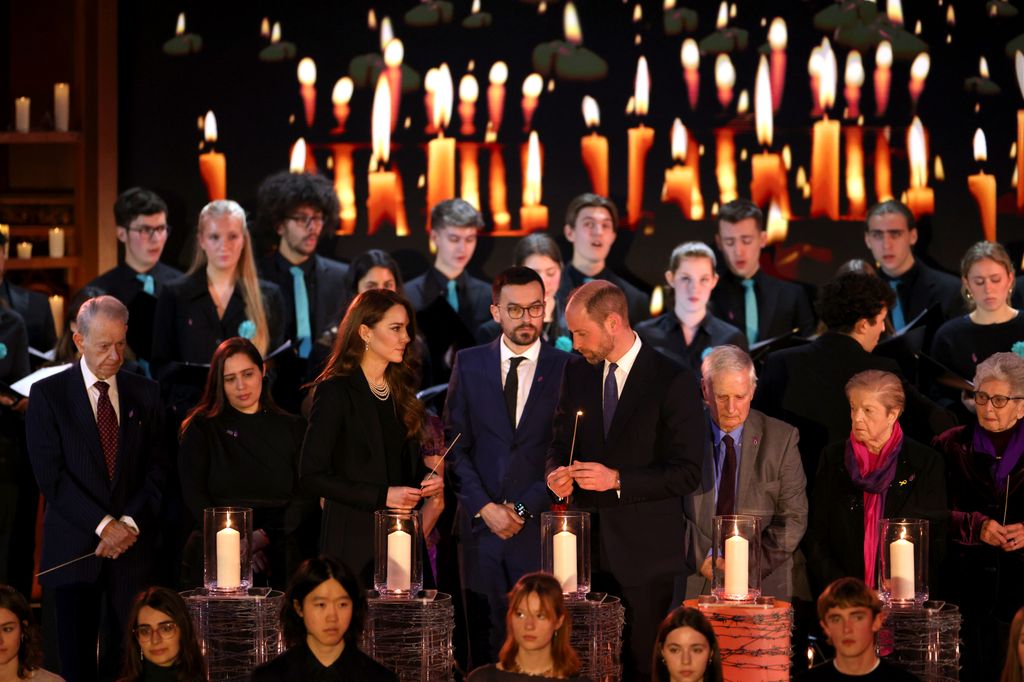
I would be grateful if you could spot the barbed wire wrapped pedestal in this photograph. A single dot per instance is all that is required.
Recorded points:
(236, 633)
(411, 637)
(597, 623)
(755, 638)
(923, 640)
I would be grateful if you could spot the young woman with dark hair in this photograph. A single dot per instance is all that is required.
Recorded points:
(21, 653)
(686, 649)
(161, 644)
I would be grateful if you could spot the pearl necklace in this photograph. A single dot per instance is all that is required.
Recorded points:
(380, 391)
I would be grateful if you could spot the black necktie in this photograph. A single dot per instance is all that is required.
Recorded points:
(727, 482)
(512, 388)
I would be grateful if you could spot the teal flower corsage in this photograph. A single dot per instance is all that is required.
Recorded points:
(3, 351)
(247, 330)
(1018, 348)
(564, 343)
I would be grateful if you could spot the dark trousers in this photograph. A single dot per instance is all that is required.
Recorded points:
(646, 606)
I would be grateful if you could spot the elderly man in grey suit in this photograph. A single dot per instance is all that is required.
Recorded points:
(751, 466)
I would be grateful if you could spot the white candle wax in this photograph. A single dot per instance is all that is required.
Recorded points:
(57, 310)
(564, 551)
(61, 97)
(24, 249)
(56, 243)
(901, 558)
(21, 109)
(229, 558)
(736, 572)
(399, 561)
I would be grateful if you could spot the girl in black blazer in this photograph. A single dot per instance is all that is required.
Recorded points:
(361, 450)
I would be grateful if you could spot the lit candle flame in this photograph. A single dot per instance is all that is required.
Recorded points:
(498, 73)
(343, 89)
(642, 87)
(657, 301)
(776, 225)
(443, 96)
(763, 103)
(532, 190)
(918, 151)
(265, 28)
(814, 62)
(690, 54)
(743, 103)
(883, 55)
(275, 33)
(638, 14)
(951, 16)
(307, 71)
(919, 69)
(571, 25)
(297, 164)
(982, 66)
(894, 9)
(668, 4)
(371, 20)
(591, 112)
(468, 88)
(533, 85)
(180, 29)
(475, 9)
(787, 157)
(210, 128)
(853, 77)
(380, 121)
(394, 53)
(723, 16)
(940, 171)
(829, 74)
(778, 36)
(387, 33)
(725, 72)
(980, 146)
(680, 141)
(1018, 63)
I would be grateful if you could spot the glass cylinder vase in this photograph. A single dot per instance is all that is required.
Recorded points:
(398, 566)
(565, 550)
(227, 549)
(903, 561)
(736, 557)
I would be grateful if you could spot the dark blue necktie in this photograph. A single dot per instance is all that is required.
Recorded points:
(611, 397)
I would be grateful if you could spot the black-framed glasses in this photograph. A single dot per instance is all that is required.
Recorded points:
(982, 398)
(305, 221)
(516, 311)
(165, 629)
(149, 232)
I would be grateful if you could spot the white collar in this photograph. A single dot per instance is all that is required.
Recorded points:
(531, 353)
(91, 379)
(625, 363)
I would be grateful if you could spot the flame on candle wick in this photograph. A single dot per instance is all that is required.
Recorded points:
(723, 16)
(680, 141)
(387, 33)
(980, 146)
(498, 73)
(380, 121)
(951, 16)
(1018, 65)
(571, 25)
(476, 7)
(763, 103)
(828, 76)
(210, 127)
(469, 91)
(917, 150)
(180, 29)
(533, 85)
(883, 55)
(307, 71)
(297, 163)
(591, 112)
(265, 28)
(778, 36)
(394, 53)
(725, 72)
(343, 89)
(854, 74)
(920, 67)
(894, 9)
(642, 87)
(982, 66)
(443, 95)
(532, 190)
(638, 13)
(371, 20)
(275, 34)
(689, 55)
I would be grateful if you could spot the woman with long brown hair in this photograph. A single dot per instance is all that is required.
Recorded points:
(361, 451)
(161, 643)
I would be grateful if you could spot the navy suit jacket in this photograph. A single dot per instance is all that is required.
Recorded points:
(67, 457)
(492, 462)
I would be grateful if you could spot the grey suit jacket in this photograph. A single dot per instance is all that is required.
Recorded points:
(771, 486)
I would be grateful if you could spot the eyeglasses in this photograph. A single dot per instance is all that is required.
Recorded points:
(982, 398)
(516, 311)
(150, 232)
(307, 220)
(166, 629)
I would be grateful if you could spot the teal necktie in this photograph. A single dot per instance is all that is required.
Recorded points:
(148, 285)
(302, 329)
(453, 295)
(898, 322)
(750, 310)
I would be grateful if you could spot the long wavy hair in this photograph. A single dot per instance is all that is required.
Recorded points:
(30, 649)
(564, 660)
(212, 403)
(685, 617)
(1013, 669)
(369, 308)
(190, 664)
(310, 574)
(245, 271)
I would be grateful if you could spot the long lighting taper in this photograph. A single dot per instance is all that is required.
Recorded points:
(576, 423)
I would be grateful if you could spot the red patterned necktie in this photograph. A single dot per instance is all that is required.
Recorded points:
(106, 420)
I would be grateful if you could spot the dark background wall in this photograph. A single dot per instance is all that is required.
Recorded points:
(161, 98)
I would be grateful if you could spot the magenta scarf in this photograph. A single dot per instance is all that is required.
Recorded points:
(873, 474)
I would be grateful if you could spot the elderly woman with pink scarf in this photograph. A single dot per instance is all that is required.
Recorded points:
(876, 473)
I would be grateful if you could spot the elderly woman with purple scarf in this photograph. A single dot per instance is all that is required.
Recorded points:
(874, 474)
(985, 470)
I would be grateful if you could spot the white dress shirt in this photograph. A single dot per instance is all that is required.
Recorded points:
(526, 370)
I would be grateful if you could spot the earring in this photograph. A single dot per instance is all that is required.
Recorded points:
(367, 345)
(141, 657)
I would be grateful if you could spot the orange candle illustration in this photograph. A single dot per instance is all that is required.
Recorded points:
(825, 144)
(640, 140)
(778, 38)
(920, 197)
(855, 190)
(853, 79)
(469, 91)
(340, 97)
(441, 150)
(469, 171)
(689, 55)
(533, 215)
(594, 148)
(496, 78)
(918, 74)
(776, 224)
(883, 76)
(307, 88)
(983, 188)
(725, 79)
(768, 173)
(883, 166)
(498, 191)
(382, 202)
(533, 85)
(344, 187)
(725, 164)
(394, 53)
(212, 164)
(679, 178)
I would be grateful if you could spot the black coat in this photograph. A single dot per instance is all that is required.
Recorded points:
(122, 283)
(34, 309)
(923, 287)
(298, 663)
(666, 335)
(781, 306)
(639, 303)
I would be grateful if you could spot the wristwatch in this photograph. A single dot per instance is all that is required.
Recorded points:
(521, 511)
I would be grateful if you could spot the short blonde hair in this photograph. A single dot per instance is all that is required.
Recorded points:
(886, 384)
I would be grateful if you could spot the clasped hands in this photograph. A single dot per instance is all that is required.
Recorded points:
(1009, 538)
(588, 475)
(116, 538)
(405, 498)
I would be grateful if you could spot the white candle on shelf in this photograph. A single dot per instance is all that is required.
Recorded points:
(399, 561)
(5, 230)
(57, 310)
(564, 552)
(61, 103)
(56, 236)
(901, 557)
(736, 572)
(229, 558)
(24, 249)
(21, 109)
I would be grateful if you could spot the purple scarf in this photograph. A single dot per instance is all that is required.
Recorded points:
(873, 474)
(1001, 467)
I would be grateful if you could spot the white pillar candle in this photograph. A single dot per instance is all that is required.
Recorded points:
(21, 108)
(736, 571)
(61, 97)
(5, 230)
(57, 310)
(229, 558)
(901, 558)
(399, 561)
(24, 249)
(564, 552)
(56, 235)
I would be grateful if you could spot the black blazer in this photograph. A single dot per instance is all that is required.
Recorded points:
(923, 287)
(298, 663)
(67, 457)
(343, 460)
(34, 309)
(474, 296)
(781, 306)
(123, 284)
(834, 543)
(639, 303)
(331, 282)
(665, 334)
(656, 443)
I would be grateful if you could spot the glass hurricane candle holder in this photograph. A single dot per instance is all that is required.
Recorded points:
(227, 549)
(903, 561)
(398, 566)
(565, 550)
(736, 557)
